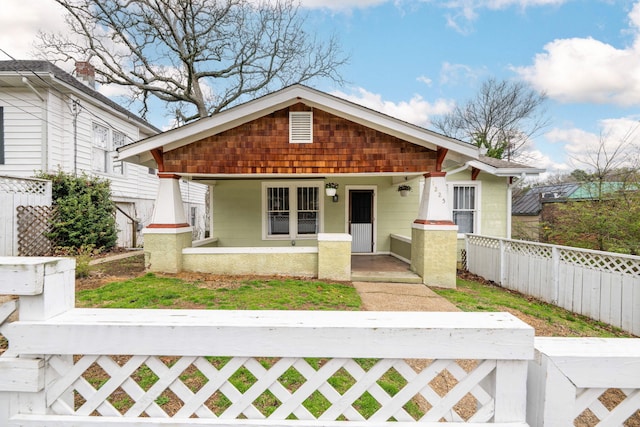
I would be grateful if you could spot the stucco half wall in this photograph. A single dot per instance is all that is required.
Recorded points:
(286, 261)
(331, 259)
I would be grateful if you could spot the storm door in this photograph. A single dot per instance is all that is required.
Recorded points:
(361, 219)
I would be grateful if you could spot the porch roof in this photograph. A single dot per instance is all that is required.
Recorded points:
(140, 152)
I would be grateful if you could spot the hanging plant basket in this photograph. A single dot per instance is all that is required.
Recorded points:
(331, 188)
(404, 190)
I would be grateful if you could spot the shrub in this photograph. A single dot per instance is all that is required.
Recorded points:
(85, 211)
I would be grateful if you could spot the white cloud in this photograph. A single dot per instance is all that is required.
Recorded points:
(416, 110)
(465, 12)
(20, 21)
(538, 159)
(454, 73)
(426, 80)
(341, 5)
(581, 146)
(588, 70)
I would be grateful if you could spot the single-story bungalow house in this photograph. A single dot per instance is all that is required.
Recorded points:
(301, 180)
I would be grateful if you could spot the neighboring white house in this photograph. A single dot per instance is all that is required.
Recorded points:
(51, 120)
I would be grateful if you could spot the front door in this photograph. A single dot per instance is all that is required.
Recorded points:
(361, 220)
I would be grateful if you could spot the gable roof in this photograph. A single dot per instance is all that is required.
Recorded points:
(139, 152)
(45, 74)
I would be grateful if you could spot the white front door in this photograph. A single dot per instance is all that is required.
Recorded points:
(361, 220)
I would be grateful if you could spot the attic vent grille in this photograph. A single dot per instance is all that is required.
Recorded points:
(300, 127)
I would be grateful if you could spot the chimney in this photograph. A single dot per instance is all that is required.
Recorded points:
(86, 73)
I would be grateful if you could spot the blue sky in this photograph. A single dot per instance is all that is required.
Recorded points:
(416, 59)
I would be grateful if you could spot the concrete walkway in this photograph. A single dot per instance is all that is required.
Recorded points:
(377, 296)
(116, 257)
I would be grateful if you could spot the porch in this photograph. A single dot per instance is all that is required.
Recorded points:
(382, 268)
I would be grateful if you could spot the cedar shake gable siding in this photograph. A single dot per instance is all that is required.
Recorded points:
(262, 146)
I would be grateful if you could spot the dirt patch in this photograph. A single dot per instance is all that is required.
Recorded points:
(112, 271)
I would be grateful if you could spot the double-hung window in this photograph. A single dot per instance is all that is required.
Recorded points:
(100, 161)
(105, 141)
(119, 139)
(464, 203)
(292, 211)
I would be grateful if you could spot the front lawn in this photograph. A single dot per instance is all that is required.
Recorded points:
(151, 291)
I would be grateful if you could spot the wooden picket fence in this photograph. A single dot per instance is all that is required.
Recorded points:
(603, 286)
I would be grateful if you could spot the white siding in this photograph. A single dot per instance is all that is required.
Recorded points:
(38, 138)
(22, 132)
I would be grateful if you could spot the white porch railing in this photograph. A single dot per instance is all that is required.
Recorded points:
(604, 286)
(105, 367)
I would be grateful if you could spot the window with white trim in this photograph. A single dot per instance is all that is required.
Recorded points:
(119, 139)
(464, 203)
(292, 210)
(100, 148)
(300, 127)
(105, 141)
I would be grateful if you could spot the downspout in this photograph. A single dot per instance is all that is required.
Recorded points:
(509, 206)
(134, 227)
(74, 112)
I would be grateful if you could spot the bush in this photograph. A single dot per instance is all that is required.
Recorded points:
(85, 211)
(83, 257)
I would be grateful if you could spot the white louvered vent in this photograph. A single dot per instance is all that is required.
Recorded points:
(300, 127)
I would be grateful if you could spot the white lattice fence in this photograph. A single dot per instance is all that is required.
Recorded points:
(483, 256)
(15, 192)
(528, 268)
(585, 382)
(273, 389)
(601, 285)
(279, 368)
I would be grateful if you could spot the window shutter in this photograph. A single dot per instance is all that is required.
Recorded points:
(300, 127)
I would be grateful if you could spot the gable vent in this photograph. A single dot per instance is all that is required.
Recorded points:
(300, 127)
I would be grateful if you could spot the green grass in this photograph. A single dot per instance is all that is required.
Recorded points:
(474, 296)
(150, 291)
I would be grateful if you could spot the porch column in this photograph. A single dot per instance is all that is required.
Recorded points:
(334, 256)
(169, 231)
(434, 235)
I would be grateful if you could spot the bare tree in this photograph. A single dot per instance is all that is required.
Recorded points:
(501, 118)
(612, 158)
(199, 56)
(607, 214)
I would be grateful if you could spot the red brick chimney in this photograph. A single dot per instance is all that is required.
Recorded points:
(86, 73)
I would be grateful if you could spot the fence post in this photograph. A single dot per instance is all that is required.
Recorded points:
(502, 277)
(555, 274)
(46, 288)
(550, 395)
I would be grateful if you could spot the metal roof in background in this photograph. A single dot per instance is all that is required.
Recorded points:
(530, 203)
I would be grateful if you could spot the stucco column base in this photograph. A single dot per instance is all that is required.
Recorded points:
(163, 248)
(433, 254)
(334, 256)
